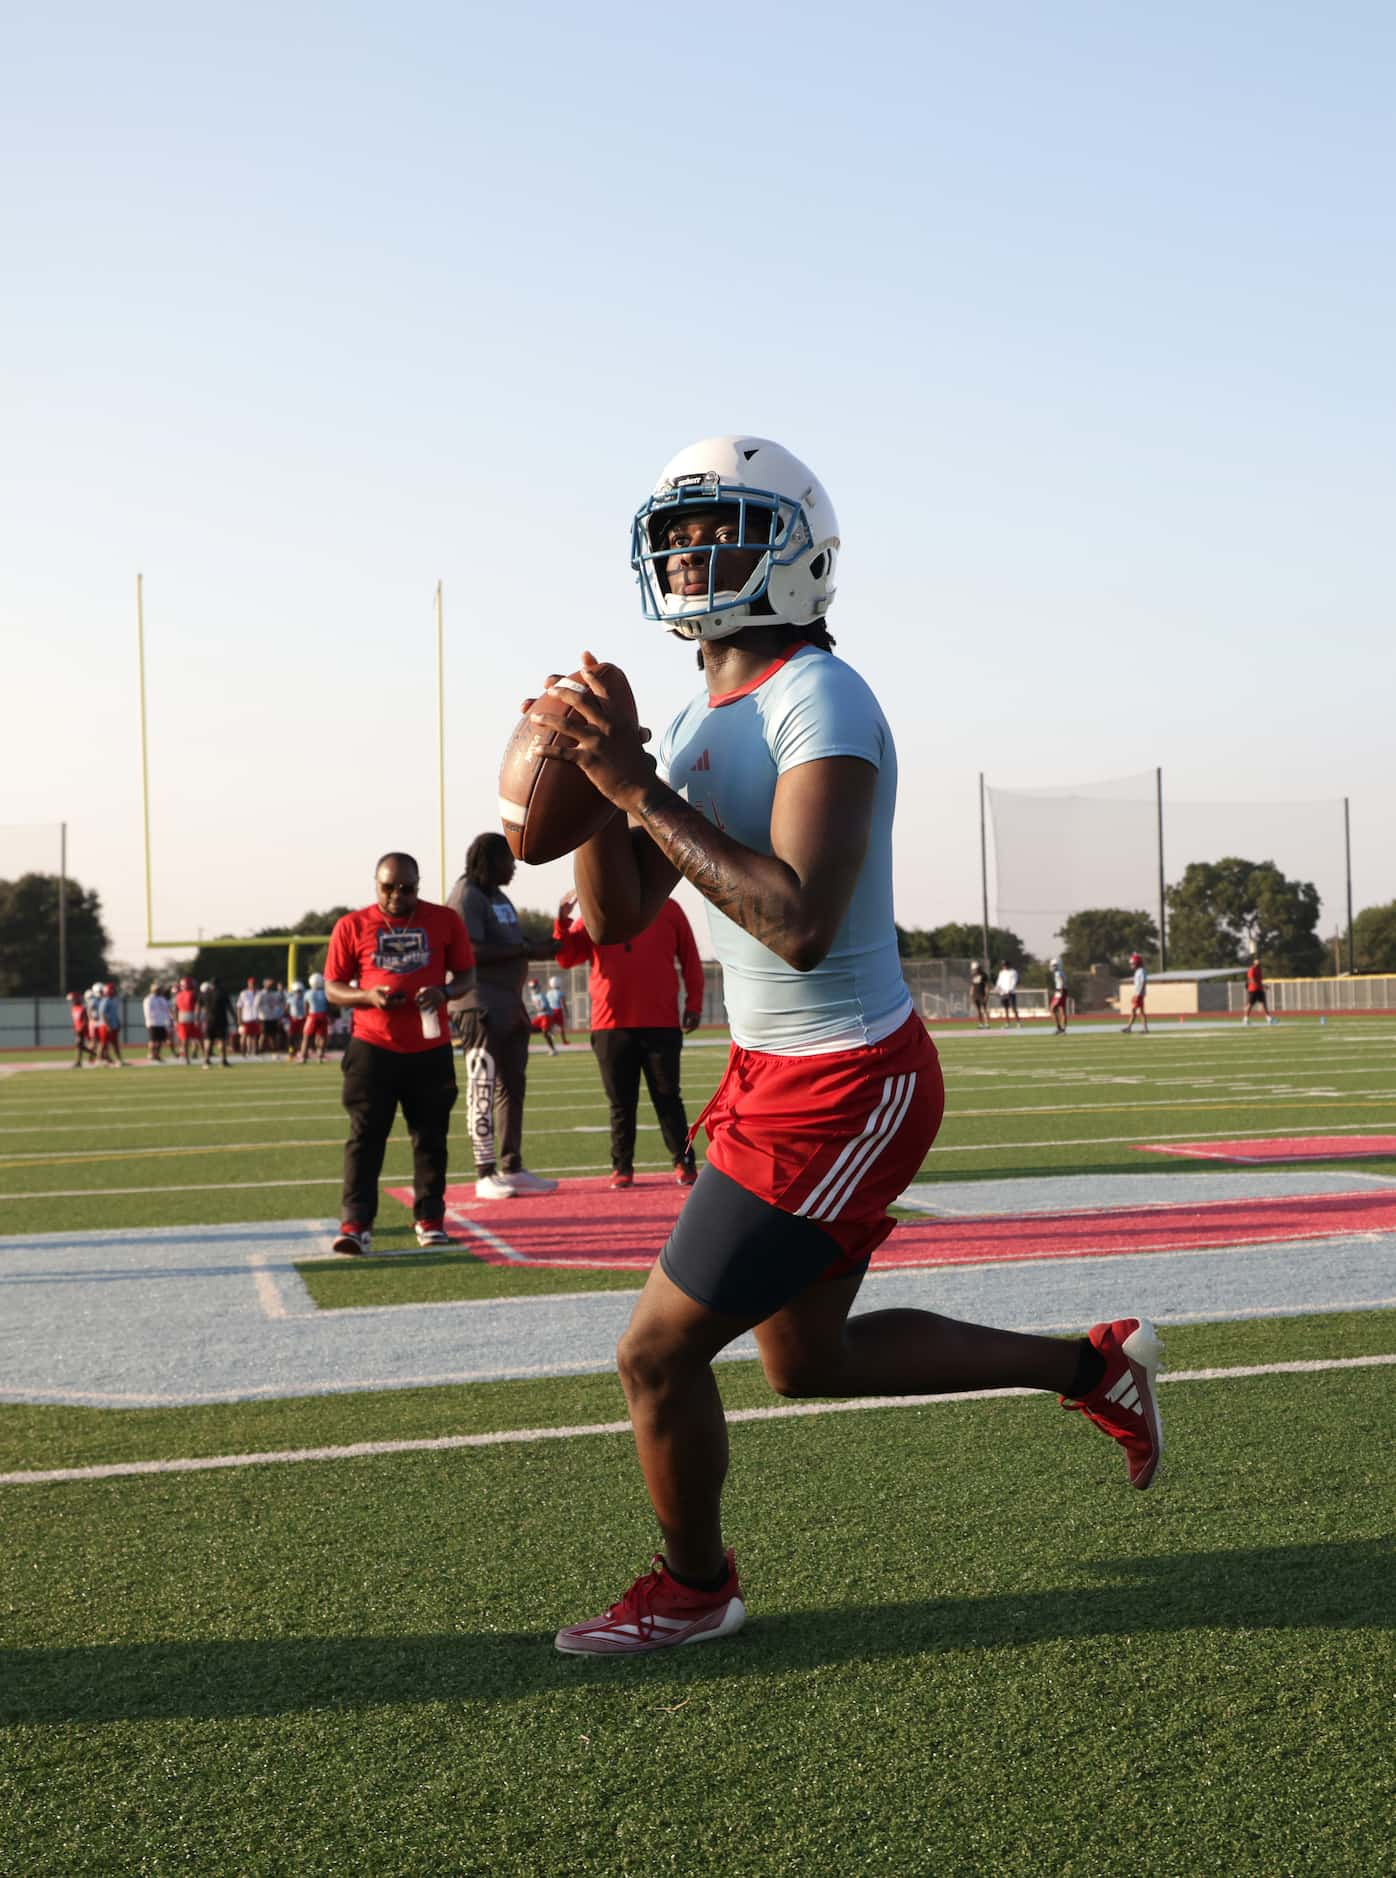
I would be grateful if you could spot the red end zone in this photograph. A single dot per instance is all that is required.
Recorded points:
(585, 1224)
(1291, 1148)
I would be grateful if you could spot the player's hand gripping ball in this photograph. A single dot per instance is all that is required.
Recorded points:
(548, 807)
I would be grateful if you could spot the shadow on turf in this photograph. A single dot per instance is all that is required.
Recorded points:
(1296, 1587)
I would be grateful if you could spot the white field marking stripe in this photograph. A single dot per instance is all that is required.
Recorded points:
(459, 1178)
(502, 1246)
(1266, 1091)
(891, 1090)
(1263, 1094)
(1213, 1084)
(1241, 1098)
(51, 1398)
(1116, 1141)
(63, 1157)
(438, 1444)
(863, 1162)
(464, 1178)
(268, 1292)
(249, 1115)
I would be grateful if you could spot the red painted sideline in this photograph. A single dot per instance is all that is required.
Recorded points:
(1290, 1148)
(584, 1224)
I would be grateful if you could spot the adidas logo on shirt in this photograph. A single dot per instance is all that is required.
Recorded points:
(704, 762)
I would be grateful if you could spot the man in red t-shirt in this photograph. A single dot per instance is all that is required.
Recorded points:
(1255, 990)
(391, 965)
(188, 1031)
(635, 1025)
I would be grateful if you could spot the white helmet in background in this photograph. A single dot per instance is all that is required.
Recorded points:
(296, 985)
(317, 981)
(781, 508)
(207, 985)
(554, 983)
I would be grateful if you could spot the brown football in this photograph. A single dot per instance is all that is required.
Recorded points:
(547, 806)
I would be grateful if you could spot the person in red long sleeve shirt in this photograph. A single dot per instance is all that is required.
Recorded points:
(636, 1026)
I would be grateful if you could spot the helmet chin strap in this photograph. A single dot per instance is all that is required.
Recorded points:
(692, 625)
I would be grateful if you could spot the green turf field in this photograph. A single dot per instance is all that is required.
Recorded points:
(971, 1649)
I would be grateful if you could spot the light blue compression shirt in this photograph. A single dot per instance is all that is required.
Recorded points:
(725, 758)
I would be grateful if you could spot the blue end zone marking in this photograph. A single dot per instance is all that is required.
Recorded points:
(177, 1315)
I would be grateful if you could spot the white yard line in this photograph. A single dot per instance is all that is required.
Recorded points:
(61, 1157)
(361, 1450)
(459, 1177)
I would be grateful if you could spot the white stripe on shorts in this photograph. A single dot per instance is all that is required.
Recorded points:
(863, 1162)
(827, 1200)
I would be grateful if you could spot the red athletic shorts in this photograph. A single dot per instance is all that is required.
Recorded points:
(189, 1033)
(833, 1139)
(251, 1027)
(317, 1024)
(296, 1026)
(101, 1033)
(1058, 1000)
(1136, 1004)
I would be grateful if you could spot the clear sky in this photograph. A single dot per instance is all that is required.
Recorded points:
(1082, 313)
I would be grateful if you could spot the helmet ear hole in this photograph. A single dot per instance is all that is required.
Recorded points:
(816, 566)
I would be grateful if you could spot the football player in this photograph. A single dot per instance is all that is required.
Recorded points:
(1139, 989)
(774, 793)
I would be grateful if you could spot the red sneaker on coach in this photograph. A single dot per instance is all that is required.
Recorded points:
(1125, 1400)
(685, 1173)
(658, 1612)
(353, 1241)
(618, 1181)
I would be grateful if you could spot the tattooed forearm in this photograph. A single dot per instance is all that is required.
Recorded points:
(756, 891)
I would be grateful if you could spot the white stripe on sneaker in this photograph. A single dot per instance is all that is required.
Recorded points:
(1125, 1394)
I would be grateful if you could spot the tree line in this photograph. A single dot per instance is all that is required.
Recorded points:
(1219, 913)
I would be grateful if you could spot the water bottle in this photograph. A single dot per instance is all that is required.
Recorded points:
(431, 1020)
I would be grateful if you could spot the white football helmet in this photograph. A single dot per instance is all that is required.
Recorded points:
(317, 981)
(296, 985)
(554, 983)
(782, 509)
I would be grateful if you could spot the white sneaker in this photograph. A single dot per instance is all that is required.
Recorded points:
(522, 1181)
(495, 1187)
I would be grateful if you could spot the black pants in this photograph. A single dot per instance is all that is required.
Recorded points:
(376, 1083)
(495, 1047)
(622, 1055)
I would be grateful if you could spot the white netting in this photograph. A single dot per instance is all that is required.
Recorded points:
(30, 848)
(1061, 850)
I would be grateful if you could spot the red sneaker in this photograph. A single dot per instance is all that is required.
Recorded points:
(354, 1241)
(618, 1181)
(432, 1233)
(1125, 1400)
(685, 1173)
(658, 1612)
